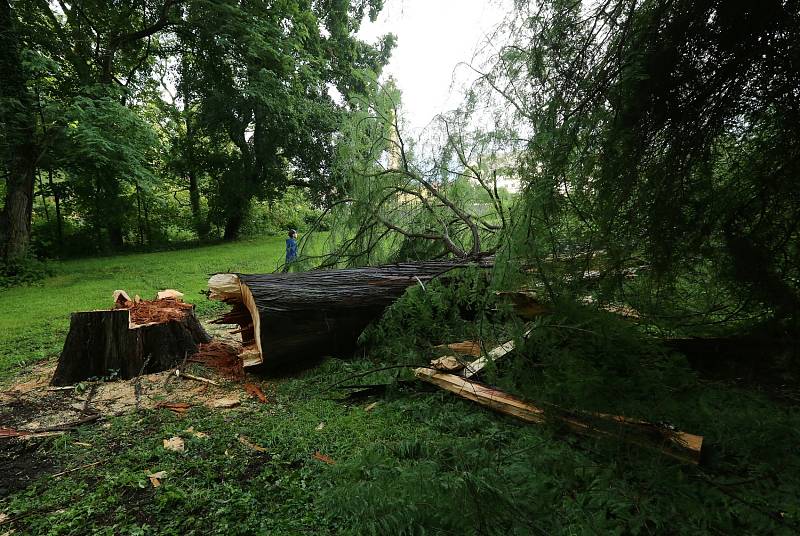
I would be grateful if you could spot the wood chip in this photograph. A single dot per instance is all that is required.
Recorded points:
(174, 444)
(156, 478)
(225, 403)
(255, 391)
(320, 426)
(447, 363)
(247, 443)
(170, 294)
(198, 435)
(121, 297)
(371, 406)
(82, 444)
(178, 408)
(323, 458)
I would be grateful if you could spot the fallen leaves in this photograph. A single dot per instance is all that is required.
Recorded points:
(255, 391)
(174, 444)
(156, 478)
(323, 458)
(178, 408)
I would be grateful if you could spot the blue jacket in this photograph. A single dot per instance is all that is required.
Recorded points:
(291, 249)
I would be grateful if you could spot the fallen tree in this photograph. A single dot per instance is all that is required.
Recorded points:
(137, 337)
(289, 316)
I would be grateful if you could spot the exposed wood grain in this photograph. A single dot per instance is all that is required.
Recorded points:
(679, 445)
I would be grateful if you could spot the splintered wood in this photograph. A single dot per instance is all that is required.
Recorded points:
(155, 311)
(676, 444)
(679, 445)
(471, 369)
(221, 357)
(472, 348)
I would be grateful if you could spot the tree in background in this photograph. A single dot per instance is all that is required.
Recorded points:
(261, 75)
(86, 104)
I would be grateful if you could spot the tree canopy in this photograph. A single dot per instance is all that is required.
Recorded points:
(133, 111)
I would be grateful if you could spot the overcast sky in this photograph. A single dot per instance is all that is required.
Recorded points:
(433, 36)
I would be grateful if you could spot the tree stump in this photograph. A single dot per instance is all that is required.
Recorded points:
(139, 338)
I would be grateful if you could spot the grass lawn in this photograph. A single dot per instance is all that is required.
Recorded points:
(410, 460)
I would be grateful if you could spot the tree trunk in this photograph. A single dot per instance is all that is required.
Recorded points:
(296, 316)
(200, 226)
(17, 114)
(57, 199)
(233, 225)
(44, 197)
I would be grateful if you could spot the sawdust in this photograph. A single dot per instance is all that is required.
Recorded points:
(30, 405)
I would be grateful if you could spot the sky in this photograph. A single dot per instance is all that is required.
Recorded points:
(433, 37)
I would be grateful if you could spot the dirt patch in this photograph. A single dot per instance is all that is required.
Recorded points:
(22, 462)
(32, 405)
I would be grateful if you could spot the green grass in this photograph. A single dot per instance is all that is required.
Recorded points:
(421, 461)
(34, 320)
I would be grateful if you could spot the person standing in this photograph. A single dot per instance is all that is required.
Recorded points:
(291, 248)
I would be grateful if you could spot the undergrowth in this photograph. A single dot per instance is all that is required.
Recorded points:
(24, 271)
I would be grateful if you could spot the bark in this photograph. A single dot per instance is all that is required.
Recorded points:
(299, 316)
(17, 114)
